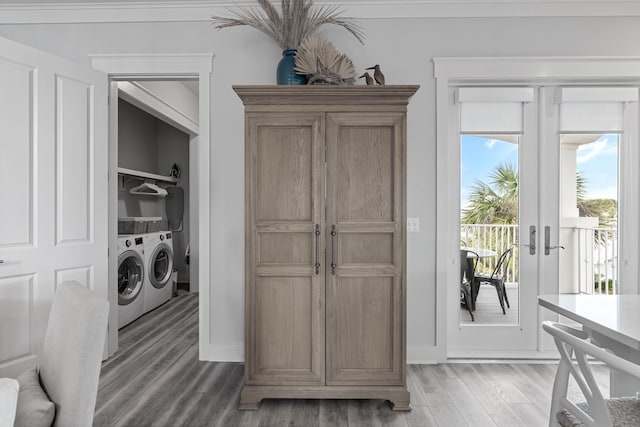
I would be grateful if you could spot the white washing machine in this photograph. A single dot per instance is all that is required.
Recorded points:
(131, 277)
(159, 261)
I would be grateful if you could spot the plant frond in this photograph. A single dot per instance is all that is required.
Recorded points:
(319, 59)
(296, 21)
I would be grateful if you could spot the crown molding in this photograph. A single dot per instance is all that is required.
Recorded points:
(53, 12)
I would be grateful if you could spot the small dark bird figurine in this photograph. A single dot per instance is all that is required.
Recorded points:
(377, 74)
(367, 78)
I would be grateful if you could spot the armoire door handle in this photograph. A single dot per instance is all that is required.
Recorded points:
(317, 249)
(333, 250)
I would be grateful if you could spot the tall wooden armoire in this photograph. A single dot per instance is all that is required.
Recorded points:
(325, 233)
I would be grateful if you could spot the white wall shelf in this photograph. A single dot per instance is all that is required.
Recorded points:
(146, 175)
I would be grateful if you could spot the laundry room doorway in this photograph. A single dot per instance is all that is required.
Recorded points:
(158, 183)
(156, 120)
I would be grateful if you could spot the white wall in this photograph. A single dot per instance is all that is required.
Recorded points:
(403, 48)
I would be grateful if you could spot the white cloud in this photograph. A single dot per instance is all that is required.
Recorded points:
(490, 143)
(589, 151)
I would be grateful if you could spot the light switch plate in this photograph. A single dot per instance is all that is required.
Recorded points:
(413, 225)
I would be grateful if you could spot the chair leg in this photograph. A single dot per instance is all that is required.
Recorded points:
(467, 301)
(504, 293)
(500, 295)
(474, 288)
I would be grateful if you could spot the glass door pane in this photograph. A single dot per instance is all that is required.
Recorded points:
(589, 213)
(489, 215)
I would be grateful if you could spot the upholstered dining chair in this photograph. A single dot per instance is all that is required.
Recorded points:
(596, 411)
(63, 390)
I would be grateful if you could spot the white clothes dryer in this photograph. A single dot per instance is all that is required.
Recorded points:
(131, 275)
(159, 260)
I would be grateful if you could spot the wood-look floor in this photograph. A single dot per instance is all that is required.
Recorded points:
(488, 310)
(156, 380)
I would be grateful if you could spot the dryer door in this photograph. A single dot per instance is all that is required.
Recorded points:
(130, 277)
(161, 266)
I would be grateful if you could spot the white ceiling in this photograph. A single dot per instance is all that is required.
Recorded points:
(83, 11)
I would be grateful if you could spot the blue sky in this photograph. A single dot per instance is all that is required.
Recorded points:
(598, 162)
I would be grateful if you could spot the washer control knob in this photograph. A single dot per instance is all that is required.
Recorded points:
(128, 243)
(161, 237)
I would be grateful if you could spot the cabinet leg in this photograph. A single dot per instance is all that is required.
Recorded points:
(401, 401)
(249, 401)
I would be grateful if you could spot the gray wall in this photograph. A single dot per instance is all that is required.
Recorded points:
(404, 48)
(173, 147)
(148, 144)
(138, 150)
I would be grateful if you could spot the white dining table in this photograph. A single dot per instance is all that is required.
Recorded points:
(613, 321)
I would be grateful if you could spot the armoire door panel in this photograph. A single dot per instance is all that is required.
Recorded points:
(285, 248)
(284, 186)
(283, 334)
(365, 248)
(364, 173)
(364, 342)
(365, 322)
(287, 325)
(364, 202)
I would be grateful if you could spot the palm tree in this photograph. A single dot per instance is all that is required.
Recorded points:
(495, 202)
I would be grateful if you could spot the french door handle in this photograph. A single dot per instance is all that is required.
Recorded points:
(317, 233)
(547, 241)
(532, 240)
(333, 250)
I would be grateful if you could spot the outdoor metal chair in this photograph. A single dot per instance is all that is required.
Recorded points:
(496, 278)
(467, 272)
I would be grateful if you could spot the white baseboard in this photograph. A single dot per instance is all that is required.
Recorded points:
(425, 355)
(235, 353)
(222, 352)
(422, 355)
(505, 356)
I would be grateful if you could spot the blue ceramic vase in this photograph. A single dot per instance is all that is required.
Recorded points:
(286, 73)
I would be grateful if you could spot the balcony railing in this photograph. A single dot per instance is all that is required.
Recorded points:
(592, 253)
(597, 260)
(498, 238)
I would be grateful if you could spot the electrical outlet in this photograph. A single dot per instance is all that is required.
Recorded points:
(413, 225)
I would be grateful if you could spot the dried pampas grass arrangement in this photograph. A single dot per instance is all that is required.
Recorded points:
(299, 20)
(323, 64)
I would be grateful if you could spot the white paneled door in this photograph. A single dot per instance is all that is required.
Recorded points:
(53, 195)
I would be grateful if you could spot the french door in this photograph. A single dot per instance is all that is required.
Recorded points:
(533, 164)
(496, 139)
